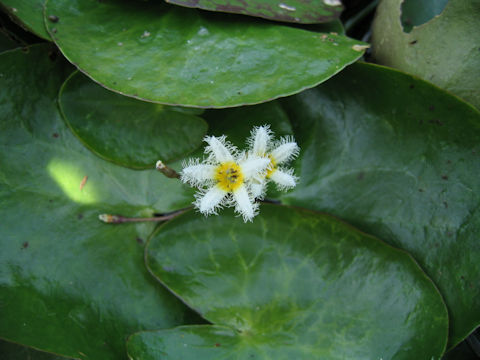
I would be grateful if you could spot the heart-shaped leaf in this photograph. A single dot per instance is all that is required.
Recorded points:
(29, 14)
(444, 50)
(69, 283)
(179, 56)
(296, 11)
(293, 284)
(126, 131)
(400, 159)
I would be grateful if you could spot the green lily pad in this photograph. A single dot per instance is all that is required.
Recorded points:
(293, 284)
(399, 159)
(178, 56)
(126, 131)
(70, 284)
(444, 51)
(29, 14)
(295, 11)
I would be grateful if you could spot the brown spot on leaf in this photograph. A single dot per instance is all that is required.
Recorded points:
(139, 240)
(444, 177)
(25, 245)
(413, 42)
(55, 135)
(83, 182)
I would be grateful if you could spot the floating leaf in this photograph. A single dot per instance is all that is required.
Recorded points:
(293, 284)
(69, 283)
(398, 158)
(179, 56)
(29, 14)
(296, 11)
(126, 131)
(427, 50)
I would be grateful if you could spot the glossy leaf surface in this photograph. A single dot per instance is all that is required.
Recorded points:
(444, 51)
(179, 56)
(400, 162)
(291, 285)
(296, 11)
(29, 14)
(127, 131)
(62, 271)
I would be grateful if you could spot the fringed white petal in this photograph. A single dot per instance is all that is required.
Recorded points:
(252, 166)
(259, 140)
(284, 179)
(245, 205)
(285, 150)
(208, 202)
(198, 174)
(219, 149)
(258, 189)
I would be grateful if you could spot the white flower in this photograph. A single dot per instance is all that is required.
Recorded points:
(224, 178)
(279, 152)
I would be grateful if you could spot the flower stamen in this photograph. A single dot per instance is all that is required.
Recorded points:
(229, 176)
(271, 167)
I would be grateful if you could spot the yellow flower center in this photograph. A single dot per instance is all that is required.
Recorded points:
(272, 166)
(229, 176)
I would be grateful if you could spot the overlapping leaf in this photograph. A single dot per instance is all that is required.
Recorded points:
(179, 56)
(291, 285)
(70, 284)
(126, 131)
(444, 51)
(29, 14)
(296, 11)
(400, 162)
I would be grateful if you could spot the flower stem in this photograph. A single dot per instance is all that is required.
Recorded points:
(118, 219)
(167, 171)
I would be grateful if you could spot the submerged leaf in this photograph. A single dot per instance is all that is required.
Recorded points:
(444, 51)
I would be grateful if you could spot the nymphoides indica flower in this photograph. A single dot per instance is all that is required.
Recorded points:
(279, 152)
(224, 178)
